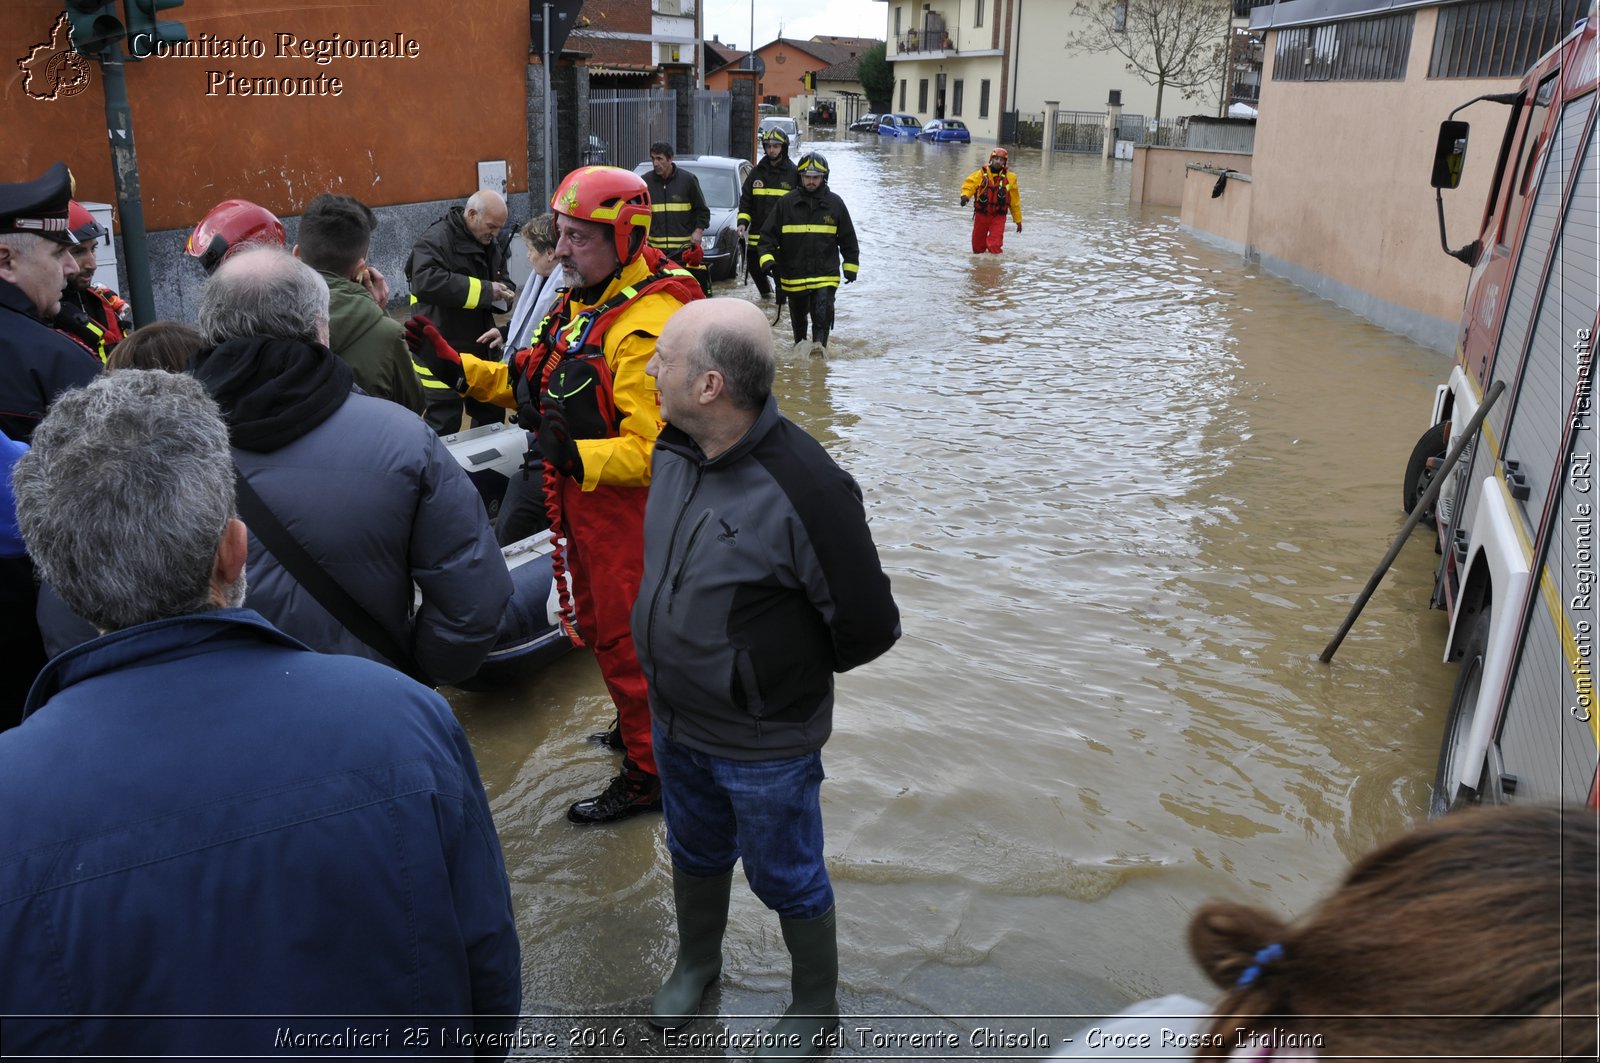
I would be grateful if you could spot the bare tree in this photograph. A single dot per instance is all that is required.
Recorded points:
(1168, 43)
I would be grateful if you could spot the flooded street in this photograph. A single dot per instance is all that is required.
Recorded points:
(1126, 487)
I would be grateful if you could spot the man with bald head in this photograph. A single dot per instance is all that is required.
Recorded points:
(457, 273)
(762, 542)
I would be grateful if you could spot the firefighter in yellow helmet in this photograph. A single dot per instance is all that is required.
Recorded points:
(805, 240)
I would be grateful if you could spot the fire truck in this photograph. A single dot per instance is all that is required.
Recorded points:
(1515, 516)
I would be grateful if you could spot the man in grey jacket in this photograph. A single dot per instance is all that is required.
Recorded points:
(761, 542)
(367, 489)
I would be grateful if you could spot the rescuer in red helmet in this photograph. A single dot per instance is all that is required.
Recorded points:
(230, 225)
(90, 313)
(993, 191)
(583, 392)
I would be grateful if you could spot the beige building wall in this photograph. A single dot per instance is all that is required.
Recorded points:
(970, 72)
(1159, 173)
(1226, 217)
(1342, 203)
(1021, 49)
(1082, 81)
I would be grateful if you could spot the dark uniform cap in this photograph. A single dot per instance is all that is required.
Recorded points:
(40, 206)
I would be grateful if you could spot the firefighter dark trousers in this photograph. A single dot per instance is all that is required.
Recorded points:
(816, 306)
(605, 558)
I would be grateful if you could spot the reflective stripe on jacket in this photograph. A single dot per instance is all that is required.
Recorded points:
(767, 183)
(985, 190)
(807, 235)
(677, 209)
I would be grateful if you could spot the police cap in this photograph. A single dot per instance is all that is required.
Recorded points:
(39, 206)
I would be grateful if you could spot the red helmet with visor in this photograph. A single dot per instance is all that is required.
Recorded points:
(611, 196)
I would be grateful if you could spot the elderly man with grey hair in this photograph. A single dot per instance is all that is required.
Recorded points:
(784, 588)
(203, 824)
(457, 273)
(364, 487)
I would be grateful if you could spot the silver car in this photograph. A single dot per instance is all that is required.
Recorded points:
(790, 127)
(721, 179)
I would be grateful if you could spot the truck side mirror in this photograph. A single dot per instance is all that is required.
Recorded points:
(1450, 154)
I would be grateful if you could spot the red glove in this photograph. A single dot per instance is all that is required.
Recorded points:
(692, 257)
(1019, 226)
(430, 352)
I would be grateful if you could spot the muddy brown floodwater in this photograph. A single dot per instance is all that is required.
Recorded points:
(1126, 486)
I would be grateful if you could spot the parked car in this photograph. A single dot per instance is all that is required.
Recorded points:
(765, 109)
(867, 123)
(952, 130)
(597, 154)
(788, 125)
(899, 125)
(720, 179)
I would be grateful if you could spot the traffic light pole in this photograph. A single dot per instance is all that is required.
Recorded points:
(125, 169)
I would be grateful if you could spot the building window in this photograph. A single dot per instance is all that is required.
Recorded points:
(955, 97)
(983, 98)
(977, 14)
(1498, 38)
(1119, 19)
(902, 94)
(1366, 49)
(922, 96)
(897, 10)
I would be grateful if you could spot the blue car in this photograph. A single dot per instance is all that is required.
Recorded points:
(950, 130)
(899, 125)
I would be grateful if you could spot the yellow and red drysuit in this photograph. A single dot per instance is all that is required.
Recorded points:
(992, 194)
(602, 519)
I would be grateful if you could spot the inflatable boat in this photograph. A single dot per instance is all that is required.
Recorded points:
(491, 455)
(531, 635)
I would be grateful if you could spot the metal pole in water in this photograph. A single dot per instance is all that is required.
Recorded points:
(1423, 505)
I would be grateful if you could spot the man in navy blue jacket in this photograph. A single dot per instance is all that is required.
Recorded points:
(214, 841)
(761, 580)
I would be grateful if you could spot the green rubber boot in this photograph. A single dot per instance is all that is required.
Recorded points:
(702, 909)
(814, 1014)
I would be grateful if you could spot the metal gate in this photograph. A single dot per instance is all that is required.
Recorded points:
(713, 122)
(624, 123)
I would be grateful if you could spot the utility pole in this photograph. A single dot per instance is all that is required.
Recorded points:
(98, 33)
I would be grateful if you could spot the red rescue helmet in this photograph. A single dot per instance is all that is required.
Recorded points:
(1002, 155)
(230, 225)
(82, 225)
(611, 196)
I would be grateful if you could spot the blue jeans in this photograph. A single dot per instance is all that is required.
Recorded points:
(767, 811)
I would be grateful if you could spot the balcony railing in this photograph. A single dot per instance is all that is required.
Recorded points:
(920, 41)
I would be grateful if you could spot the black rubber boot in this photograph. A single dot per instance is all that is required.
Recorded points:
(702, 910)
(814, 951)
(630, 793)
(611, 739)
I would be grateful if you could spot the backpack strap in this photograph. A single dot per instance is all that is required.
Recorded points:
(316, 580)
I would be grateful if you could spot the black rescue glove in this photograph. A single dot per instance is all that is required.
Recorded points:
(430, 352)
(965, 199)
(555, 439)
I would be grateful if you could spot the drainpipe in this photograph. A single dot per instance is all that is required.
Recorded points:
(1016, 69)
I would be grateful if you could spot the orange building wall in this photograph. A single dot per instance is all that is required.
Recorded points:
(402, 131)
(785, 66)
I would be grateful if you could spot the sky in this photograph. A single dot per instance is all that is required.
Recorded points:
(730, 19)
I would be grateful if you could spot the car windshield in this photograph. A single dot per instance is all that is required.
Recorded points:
(718, 185)
(907, 120)
(954, 125)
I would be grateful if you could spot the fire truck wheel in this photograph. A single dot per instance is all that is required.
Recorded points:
(1418, 475)
(1447, 793)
